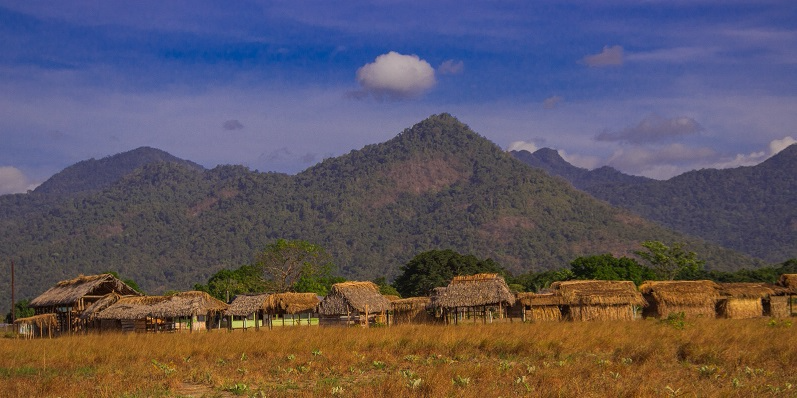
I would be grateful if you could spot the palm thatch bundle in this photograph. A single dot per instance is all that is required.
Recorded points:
(746, 300)
(41, 321)
(475, 291)
(290, 303)
(540, 306)
(246, 304)
(591, 300)
(69, 292)
(789, 281)
(358, 297)
(187, 304)
(692, 298)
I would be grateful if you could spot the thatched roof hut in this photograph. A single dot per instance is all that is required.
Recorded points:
(747, 300)
(692, 298)
(246, 304)
(70, 293)
(540, 306)
(475, 291)
(131, 308)
(90, 313)
(290, 303)
(187, 304)
(788, 281)
(590, 300)
(353, 297)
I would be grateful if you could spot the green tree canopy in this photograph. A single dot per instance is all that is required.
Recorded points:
(536, 281)
(671, 262)
(225, 284)
(286, 263)
(435, 268)
(22, 310)
(607, 267)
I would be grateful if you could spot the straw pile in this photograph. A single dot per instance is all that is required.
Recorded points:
(348, 297)
(290, 303)
(599, 300)
(246, 304)
(693, 298)
(68, 292)
(475, 291)
(541, 307)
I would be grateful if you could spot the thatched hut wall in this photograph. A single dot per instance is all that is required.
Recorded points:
(244, 305)
(789, 281)
(692, 298)
(475, 291)
(349, 302)
(413, 310)
(779, 306)
(746, 300)
(538, 307)
(291, 303)
(593, 300)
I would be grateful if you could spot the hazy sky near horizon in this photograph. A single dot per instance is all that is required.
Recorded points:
(651, 88)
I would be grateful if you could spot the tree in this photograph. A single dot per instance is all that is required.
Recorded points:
(225, 284)
(385, 288)
(435, 268)
(607, 267)
(21, 310)
(670, 262)
(536, 281)
(129, 282)
(284, 263)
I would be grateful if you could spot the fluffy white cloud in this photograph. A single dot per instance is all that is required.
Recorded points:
(660, 163)
(522, 146)
(653, 129)
(610, 56)
(396, 76)
(12, 180)
(778, 145)
(451, 67)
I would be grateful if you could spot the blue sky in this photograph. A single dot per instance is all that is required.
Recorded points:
(651, 88)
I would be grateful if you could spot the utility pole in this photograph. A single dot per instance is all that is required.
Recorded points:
(13, 308)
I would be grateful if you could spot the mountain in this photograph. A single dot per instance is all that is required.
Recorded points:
(93, 175)
(437, 185)
(749, 209)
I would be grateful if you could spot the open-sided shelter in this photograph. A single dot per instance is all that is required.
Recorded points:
(475, 296)
(594, 300)
(747, 300)
(354, 303)
(538, 307)
(293, 304)
(41, 325)
(692, 298)
(192, 310)
(69, 298)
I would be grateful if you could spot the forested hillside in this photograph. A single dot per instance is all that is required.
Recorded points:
(749, 209)
(437, 185)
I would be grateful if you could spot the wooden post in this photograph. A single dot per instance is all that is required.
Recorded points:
(366, 315)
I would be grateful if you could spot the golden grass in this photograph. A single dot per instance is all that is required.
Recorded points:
(714, 357)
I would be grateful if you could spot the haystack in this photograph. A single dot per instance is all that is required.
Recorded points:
(747, 300)
(413, 310)
(539, 307)
(692, 298)
(592, 300)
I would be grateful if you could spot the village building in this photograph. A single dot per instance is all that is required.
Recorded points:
(595, 300)
(191, 311)
(354, 303)
(694, 299)
(538, 307)
(750, 300)
(68, 299)
(412, 310)
(484, 296)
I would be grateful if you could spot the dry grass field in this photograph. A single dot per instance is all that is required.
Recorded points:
(632, 359)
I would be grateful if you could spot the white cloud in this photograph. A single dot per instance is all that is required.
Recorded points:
(396, 76)
(653, 129)
(610, 56)
(522, 146)
(12, 180)
(660, 163)
(451, 67)
(778, 145)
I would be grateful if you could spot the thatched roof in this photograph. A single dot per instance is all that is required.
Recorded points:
(41, 320)
(183, 304)
(187, 304)
(291, 303)
(750, 290)
(410, 304)
(539, 299)
(91, 311)
(475, 291)
(682, 293)
(246, 304)
(789, 281)
(598, 293)
(348, 297)
(66, 293)
(392, 297)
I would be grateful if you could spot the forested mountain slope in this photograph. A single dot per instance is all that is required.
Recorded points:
(437, 185)
(749, 209)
